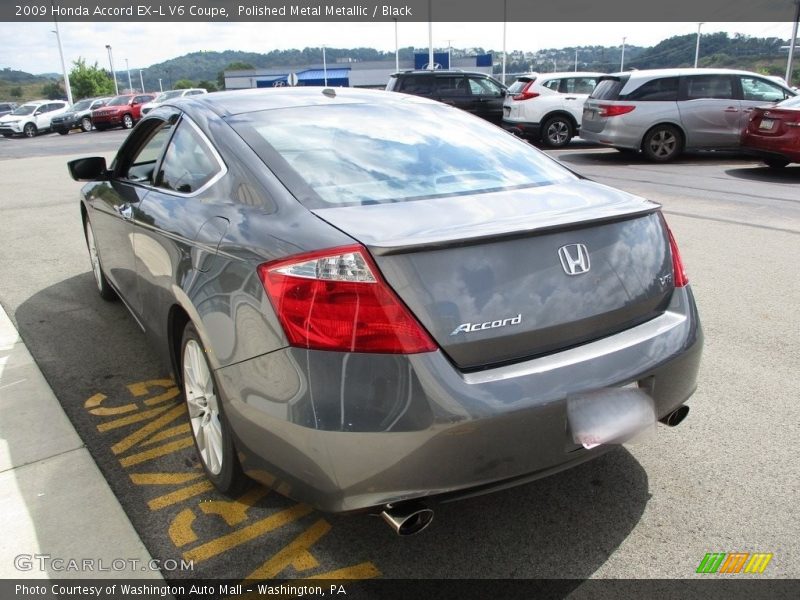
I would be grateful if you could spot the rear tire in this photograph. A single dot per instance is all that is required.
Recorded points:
(103, 287)
(557, 132)
(211, 432)
(662, 143)
(776, 163)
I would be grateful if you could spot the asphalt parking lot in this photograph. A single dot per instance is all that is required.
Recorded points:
(726, 480)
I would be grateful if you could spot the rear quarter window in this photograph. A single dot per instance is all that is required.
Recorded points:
(655, 90)
(608, 89)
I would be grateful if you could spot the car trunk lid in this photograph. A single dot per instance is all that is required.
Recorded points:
(504, 276)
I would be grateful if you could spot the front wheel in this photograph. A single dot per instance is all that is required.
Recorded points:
(212, 435)
(127, 121)
(103, 287)
(557, 132)
(86, 124)
(662, 143)
(29, 130)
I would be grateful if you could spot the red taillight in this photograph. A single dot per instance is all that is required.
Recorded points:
(336, 299)
(525, 94)
(614, 110)
(678, 270)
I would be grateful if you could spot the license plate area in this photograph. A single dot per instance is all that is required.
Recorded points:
(766, 124)
(610, 415)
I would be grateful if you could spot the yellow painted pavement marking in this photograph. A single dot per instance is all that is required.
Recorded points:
(140, 457)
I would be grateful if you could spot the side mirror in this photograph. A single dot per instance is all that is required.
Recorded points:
(88, 169)
(37, 113)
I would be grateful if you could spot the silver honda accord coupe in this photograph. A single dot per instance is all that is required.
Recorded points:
(375, 302)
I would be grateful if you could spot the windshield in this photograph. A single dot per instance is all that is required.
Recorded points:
(25, 109)
(167, 95)
(350, 154)
(82, 105)
(119, 101)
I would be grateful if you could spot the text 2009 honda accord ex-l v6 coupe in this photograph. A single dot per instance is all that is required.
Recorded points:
(372, 300)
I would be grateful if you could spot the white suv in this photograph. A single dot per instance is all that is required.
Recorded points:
(31, 118)
(170, 95)
(547, 107)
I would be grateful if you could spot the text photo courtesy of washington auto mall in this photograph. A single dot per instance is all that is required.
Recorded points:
(431, 299)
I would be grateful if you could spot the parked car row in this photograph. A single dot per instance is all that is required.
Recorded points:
(40, 116)
(659, 113)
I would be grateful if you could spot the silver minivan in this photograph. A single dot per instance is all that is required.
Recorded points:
(663, 112)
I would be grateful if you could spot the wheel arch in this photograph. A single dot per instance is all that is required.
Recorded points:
(561, 113)
(677, 126)
(177, 319)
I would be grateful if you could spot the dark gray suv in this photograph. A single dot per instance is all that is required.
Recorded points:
(476, 93)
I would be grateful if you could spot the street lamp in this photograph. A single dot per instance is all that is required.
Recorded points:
(160, 87)
(396, 48)
(128, 69)
(63, 65)
(622, 58)
(141, 80)
(697, 46)
(792, 44)
(324, 67)
(113, 73)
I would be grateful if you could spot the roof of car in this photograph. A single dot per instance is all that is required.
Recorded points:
(648, 73)
(562, 74)
(439, 72)
(252, 100)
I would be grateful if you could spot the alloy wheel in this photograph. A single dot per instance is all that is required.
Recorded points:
(203, 405)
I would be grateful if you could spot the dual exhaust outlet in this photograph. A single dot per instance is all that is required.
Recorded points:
(412, 517)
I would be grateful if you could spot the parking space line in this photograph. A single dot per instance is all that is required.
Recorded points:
(135, 459)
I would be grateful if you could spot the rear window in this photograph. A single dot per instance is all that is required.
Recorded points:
(350, 154)
(519, 84)
(608, 88)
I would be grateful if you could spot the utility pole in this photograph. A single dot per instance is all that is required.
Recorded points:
(576, 60)
(396, 48)
(622, 58)
(141, 80)
(160, 87)
(128, 69)
(113, 73)
(792, 43)
(505, 22)
(431, 66)
(324, 67)
(697, 46)
(67, 87)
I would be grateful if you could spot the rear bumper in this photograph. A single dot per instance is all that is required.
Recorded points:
(616, 135)
(346, 432)
(774, 150)
(523, 129)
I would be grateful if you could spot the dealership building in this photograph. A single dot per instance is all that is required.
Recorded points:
(368, 74)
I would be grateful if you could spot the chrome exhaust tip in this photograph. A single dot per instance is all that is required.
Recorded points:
(676, 416)
(407, 518)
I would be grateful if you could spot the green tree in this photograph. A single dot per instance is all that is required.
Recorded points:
(15, 92)
(52, 91)
(183, 84)
(89, 81)
(209, 86)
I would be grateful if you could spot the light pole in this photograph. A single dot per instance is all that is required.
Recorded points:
(324, 67)
(792, 44)
(396, 48)
(505, 15)
(576, 60)
(141, 80)
(128, 69)
(113, 73)
(63, 65)
(160, 87)
(697, 46)
(622, 58)
(431, 66)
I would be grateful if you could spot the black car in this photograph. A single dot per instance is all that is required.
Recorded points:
(7, 108)
(79, 115)
(477, 93)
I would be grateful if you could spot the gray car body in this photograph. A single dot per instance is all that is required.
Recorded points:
(704, 123)
(347, 431)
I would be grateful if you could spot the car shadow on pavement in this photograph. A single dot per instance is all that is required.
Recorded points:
(789, 174)
(564, 526)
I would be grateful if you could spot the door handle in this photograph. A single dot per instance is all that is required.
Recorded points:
(731, 109)
(126, 211)
(570, 98)
(748, 110)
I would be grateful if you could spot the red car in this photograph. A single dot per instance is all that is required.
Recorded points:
(773, 133)
(123, 110)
